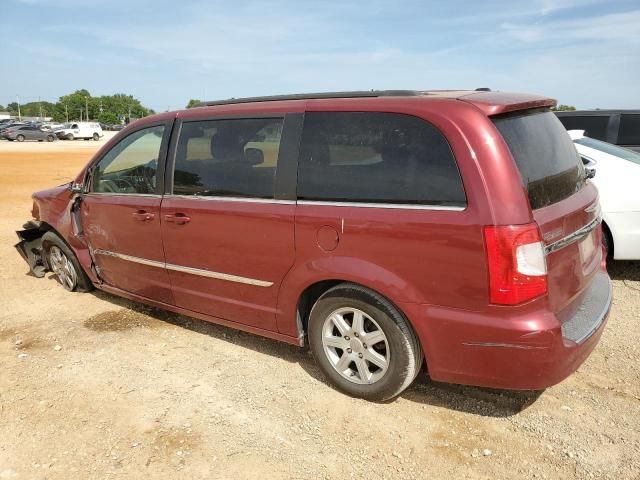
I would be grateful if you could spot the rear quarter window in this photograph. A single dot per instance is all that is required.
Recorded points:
(376, 157)
(548, 162)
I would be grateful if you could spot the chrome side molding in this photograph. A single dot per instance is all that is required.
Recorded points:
(190, 270)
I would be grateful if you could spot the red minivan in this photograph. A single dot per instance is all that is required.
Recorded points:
(388, 229)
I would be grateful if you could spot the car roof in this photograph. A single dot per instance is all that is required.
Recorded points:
(490, 102)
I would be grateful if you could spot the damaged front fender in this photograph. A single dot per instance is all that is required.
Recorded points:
(30, 246)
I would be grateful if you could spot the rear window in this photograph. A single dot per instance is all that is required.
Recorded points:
(593, 126)
(548, 162)
(377, 157)
(629, 129)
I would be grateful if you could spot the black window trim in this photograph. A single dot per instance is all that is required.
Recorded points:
(162, 160)
(285, 182)
(445, 206)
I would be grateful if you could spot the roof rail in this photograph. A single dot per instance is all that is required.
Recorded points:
(313, 96)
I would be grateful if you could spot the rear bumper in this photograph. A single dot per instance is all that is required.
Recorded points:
(522, 349)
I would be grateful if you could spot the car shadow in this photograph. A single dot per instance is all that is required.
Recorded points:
(486, 402)
(624, 270)
(474, 400)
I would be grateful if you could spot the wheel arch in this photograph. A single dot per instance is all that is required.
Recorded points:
(606, 231)
(307, 281)
(313, 292)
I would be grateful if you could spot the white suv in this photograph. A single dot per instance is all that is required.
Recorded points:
(86, 130)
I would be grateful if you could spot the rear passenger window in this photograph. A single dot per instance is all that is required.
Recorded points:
(227, 158)
(593, 126)
(377, 158)
(629, 129)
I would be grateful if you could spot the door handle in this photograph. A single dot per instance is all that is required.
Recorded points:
(178, 218)
(143, 216)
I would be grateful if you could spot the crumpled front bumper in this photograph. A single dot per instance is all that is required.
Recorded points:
(30, 247)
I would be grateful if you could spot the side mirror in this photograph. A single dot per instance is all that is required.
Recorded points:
(77, 187)
(254, 156)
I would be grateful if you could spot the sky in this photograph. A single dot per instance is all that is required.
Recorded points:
(164, 52)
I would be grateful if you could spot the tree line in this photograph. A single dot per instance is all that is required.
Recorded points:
(81, 104)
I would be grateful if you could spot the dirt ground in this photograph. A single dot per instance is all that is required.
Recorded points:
(95, 387)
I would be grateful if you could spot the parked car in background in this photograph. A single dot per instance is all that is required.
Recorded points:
(619, 127)
(27, 132)
(11, 124)
(80, 130)
(617, 178)
(52, 126)
(386, 229)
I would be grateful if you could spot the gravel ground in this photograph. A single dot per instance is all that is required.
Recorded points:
(95, 387)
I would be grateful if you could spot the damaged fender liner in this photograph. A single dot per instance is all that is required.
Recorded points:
(30, 246)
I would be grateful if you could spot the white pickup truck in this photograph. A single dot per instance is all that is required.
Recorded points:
(85, 130)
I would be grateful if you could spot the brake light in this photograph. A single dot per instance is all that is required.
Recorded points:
(517, 263)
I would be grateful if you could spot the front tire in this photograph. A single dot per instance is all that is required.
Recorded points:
(50, 138)
(69, 136)
(64, 264)
(20, 138)
(363, 344)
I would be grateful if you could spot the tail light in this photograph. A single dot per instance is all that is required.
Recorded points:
(517, 263)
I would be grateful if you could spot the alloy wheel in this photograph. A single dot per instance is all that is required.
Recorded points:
(355, 345)
(63, 268)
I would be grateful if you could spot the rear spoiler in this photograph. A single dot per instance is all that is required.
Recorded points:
(496, 103)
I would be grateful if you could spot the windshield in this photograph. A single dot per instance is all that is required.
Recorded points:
(614, 150)
(548, 162)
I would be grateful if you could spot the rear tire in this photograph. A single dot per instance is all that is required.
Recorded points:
(20, 138)
(96, 137)
(63, 262)
(341, 323)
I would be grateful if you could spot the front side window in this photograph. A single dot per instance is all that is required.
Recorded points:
(131, 166)
(235, 158)
(376, 157)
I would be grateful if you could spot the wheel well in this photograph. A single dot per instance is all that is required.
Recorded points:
(308, 298)
(607, 232)
(313, 292)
